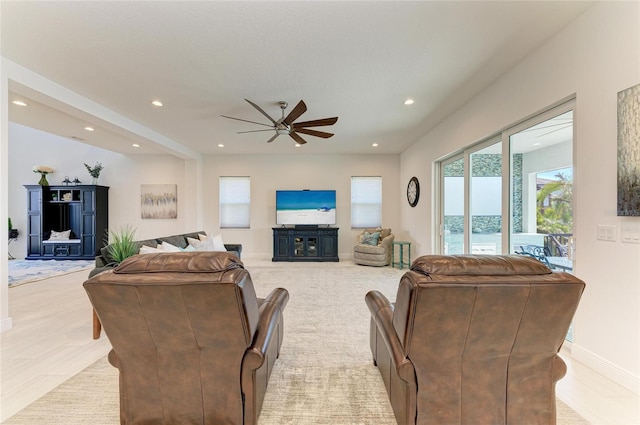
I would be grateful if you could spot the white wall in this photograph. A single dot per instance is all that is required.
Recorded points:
(124, 175)
(272, 172)
(594, 58)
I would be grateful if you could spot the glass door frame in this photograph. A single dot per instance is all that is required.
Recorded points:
(439, 167)
(507, 166)
(465, 155)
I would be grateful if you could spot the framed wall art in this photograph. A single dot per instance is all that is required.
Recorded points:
(629, 151)
(159, 201)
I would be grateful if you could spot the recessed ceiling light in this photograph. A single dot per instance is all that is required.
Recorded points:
(19, 103)
(156, 103)
(297, 145)
(375, 145)
(408, 102)
(220, 145)
(135, 145)
(89, 128)
(537, 144)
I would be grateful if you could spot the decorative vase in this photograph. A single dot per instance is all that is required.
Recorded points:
(43, 180)
(94, 180)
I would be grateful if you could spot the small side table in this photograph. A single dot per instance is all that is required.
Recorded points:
(401, 263)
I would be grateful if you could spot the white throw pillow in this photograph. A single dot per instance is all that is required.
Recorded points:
(144, 249)
(197, 244)
(189, 248)
(218, 244)
(202, 237)
(60, 236)
(167, 247)
(210, 244)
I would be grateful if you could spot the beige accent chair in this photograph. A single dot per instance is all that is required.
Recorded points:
(374, 255)
(474, 339)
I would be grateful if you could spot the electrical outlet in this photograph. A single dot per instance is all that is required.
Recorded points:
(631, 234)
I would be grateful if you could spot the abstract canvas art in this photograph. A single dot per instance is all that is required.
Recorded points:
(159, 201)
(629, 152)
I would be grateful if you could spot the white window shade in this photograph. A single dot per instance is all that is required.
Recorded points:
(235, 202)
(366, 202)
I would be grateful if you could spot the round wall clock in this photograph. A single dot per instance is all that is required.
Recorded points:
(413, 191)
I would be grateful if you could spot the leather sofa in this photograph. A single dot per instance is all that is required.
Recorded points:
(104, 261)
(474, 339)
(378, 254)
(192, 342)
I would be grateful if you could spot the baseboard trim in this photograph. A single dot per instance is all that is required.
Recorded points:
(606, 368)
(6, 324)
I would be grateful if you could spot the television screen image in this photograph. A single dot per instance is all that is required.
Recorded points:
(310, 207)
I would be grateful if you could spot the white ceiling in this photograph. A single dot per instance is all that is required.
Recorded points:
(355, 60)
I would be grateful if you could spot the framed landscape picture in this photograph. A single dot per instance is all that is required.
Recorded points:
(629, 152)
(159, 201)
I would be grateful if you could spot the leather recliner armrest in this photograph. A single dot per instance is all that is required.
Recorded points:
(382, 313)
(271, 311)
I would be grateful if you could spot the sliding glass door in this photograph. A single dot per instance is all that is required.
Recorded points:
(513, 193)
(485, 199)
(472, 200)
(541, 164)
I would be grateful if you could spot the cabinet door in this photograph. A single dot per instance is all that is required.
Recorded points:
(74, 250)
(329, 246)
(281, 246)
(88, 236)
(34, 218)
(312, 246)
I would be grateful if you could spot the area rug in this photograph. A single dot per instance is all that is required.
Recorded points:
(324, 375)
(26, 271)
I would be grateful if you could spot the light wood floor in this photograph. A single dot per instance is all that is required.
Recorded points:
(51, 341)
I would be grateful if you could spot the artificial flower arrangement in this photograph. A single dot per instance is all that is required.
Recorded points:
(43, 170)
(95, 170)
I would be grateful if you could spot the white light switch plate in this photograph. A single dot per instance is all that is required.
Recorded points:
(607, 232)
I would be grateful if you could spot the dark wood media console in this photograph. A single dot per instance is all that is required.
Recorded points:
(305, 243)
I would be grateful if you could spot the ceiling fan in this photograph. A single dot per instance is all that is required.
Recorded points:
(286, 125)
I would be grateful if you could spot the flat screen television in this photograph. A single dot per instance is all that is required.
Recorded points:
(305, 207)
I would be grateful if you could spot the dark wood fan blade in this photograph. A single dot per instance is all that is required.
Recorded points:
(314, 133)
(273, 138)
(253, 122)
(315, 123)
(254, 131)
(295, 113)
(261, 111)
(297, 138)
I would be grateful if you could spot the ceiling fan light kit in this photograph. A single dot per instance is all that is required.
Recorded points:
(287, 125)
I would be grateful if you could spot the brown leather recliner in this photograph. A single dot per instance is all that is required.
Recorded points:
(192, 342)
(474, 339)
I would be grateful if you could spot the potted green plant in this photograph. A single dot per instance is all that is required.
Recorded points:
(94, 171)
(122, 243)
(13, 233)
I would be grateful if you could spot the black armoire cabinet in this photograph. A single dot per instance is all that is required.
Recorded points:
(84, 210)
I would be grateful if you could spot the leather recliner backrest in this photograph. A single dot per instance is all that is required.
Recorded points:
(187, 324)
(484, 331)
